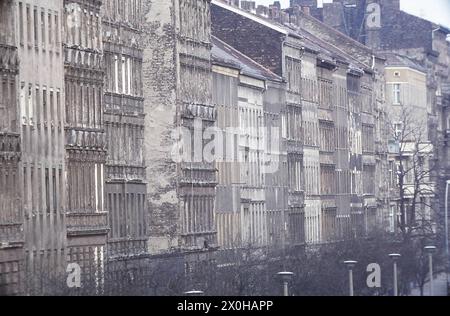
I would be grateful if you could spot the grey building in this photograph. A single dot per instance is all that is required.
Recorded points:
(252, 194)
(380, 24)
(11, 224)
(337, 133)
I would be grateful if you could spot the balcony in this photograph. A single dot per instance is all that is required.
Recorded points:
(198, 174)
(203, 112)
(127, 247)
(87, 224)
(86, 139)
(9, 61)
(10, 146)
(125, 173)
(11, 235)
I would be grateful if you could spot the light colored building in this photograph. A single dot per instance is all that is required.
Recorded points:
(412, 149)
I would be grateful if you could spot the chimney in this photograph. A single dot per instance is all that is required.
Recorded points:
(306, 10)
(262, 11)
(248, 6)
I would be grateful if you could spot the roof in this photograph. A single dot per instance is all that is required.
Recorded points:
(326, 50)
(226, 55)
(257, 18)
(397, 60)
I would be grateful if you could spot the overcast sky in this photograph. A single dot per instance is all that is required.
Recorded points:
(437, 11)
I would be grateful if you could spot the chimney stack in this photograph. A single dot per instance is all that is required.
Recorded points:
(306, 10)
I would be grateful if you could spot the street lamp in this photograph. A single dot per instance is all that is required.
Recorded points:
(350, 265)
(286, 277)
(194, 293)
(395, 257)
(430, 250)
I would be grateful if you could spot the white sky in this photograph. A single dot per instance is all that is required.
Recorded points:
(437, 11)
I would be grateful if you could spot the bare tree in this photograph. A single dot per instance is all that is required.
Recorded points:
(414, 170)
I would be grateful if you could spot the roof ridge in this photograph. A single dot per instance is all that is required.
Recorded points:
(246, 57)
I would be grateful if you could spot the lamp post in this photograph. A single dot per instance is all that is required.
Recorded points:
(395, 257)
(350, 265)
(286, 277)
(430, 250)
(194, 293)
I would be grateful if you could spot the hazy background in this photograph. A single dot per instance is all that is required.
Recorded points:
(437, 11)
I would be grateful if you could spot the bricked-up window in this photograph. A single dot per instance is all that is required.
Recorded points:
(295, 172)
(294, 123)
(325, 93)
(23, 101)
(366, 99)
(28, 20)
(309, 90)
(353, 83)
(52, 106)
(297, 226)
(368, 138)
(58, 106)
(293, 74)
(30, 104)
(57, 35)
(44, 104)
(342, 137)
(329, 224)
(47, 190)
(21, 23)
(369, 179)
(4, 104)
(327, 180)
(50, 29)
(327, 138)
(36, 26)
(43, 28)
(341, 96)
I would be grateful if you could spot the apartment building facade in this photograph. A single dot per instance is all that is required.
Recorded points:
(340, 132)
(11, 224)
(124, 122)
(386, 28)
(252, 173)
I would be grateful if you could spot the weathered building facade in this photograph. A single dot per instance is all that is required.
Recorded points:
(380, 24)
(11, 216)
(85, 155)
(124, 121)
(181, 179)
(107, 122)
(340, 129)
(250, 104)
(284, 58)
(42, 129)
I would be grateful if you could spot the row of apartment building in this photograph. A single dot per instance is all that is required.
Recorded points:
(99, 98)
